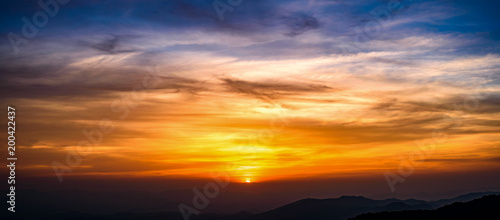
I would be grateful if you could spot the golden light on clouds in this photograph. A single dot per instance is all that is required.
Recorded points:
(271, 119)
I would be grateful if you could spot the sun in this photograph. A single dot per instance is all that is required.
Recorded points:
(248, 181)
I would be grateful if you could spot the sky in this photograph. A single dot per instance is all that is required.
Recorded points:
(265, 91)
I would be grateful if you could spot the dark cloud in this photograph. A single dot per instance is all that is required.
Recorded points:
(275, 90)
(490, 104)
(466, 104)
(463, 160)
(112, 44)
(394, 61)
(96, 82)
(300, 23)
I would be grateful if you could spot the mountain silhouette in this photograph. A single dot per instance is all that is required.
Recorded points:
(53, 206)
(340, 208)
(483, 208)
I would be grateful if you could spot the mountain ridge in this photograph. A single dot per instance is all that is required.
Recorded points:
(340, 208)
(482, 208)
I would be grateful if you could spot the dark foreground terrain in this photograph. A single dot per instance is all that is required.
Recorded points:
(483, 208)
(470, 206)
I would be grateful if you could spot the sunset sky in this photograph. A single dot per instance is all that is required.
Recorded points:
(277, 90)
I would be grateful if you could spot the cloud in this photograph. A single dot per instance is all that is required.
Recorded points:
(111, 44)
(300, 23)
(463, 160)
(270, 91)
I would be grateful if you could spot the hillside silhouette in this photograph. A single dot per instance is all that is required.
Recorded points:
(341, 208)
(483, 208)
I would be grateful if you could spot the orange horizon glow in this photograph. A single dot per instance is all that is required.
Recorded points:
(255, 123)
